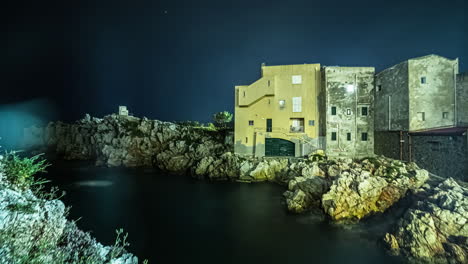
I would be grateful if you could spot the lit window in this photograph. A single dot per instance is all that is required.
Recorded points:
(296, 79)
(364, 136)
(348, 111)
(445, 115)
(297, 104)
(251, 123)
(333, 136)
(423, 79)
(333, 110)
(348, 136)
(364, 110)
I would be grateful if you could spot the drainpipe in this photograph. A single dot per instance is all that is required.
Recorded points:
(355, 112)
(401, 145)
(410, 146)
(389, 112)
(455, 115)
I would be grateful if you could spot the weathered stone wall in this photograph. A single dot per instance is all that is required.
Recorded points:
(391, 98)
(443, 155)
(462, 99)
(431, 92)
(349, 90)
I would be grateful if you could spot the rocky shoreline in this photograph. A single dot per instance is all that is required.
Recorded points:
(345, 190)
(34, 229)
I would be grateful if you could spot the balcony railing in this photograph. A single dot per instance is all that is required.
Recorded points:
(296, 129)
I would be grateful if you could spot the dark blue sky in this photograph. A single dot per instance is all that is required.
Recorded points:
(89, 57)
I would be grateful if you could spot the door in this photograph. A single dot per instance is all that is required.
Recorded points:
(279, 147)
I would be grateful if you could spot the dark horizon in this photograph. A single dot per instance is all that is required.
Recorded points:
(181, 60)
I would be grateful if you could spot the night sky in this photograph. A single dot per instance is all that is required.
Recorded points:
(179, 60)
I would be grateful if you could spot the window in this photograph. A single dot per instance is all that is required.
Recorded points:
(333, 136)
(421, 116)
(364, 136)
(297, 104)
(268, 83)
(364, 110)
(244, 93)
(333, 110)
(296, 79)
(445, 115)
(311, 122)
(251, 123)
(348, 111)
(246, 140)
(269, 126)
(296, 125)
(348, 136)
(282, 103)
(269, 101)
(423, 79)
(379, 88)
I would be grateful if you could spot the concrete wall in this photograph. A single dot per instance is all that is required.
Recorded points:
(462, 99)
(443, 155)
(391, 99)
(434, 97)
(261, 102)
(349, 90)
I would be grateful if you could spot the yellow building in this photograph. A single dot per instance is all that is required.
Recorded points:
(278, 114)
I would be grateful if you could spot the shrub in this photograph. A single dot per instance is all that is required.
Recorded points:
(20, 171)
(222, 119)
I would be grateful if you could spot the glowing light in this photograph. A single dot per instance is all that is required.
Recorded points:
(350, 88)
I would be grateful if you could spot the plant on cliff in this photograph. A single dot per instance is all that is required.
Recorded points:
(20, 170)
(222, 119)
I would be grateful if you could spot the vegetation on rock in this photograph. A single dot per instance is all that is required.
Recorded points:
(34, 228)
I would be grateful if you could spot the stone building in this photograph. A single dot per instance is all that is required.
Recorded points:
(421, 115)
(462, 100)
(417, 95)
(277, 115)
(348, 118)
(293, 110)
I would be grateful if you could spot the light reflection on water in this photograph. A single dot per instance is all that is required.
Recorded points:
(174, 219)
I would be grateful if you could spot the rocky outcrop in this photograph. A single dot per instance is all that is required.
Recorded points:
(349, 189)
(435, 230)
(35, 230)
(129, 141)
(370, 186)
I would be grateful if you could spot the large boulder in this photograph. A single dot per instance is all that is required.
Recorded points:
(369, 187)
(435, 230)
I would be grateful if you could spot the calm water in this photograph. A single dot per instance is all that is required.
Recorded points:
(174, 219)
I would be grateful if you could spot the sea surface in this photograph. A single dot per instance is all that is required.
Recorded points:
(176, 219)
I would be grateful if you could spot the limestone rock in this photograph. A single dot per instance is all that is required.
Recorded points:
(436, 229)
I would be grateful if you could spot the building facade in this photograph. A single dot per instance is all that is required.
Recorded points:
(462, 100)
(277, 115)
(417, 95)
(421, 110)
(348, 119)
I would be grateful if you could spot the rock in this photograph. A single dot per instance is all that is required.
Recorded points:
(367, 188)
(296, 201)
(436, 228)
(35, 230)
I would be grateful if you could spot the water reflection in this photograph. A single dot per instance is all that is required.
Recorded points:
(173, 219)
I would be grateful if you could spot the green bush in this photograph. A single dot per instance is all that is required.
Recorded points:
(222, 119)
(20, 171)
